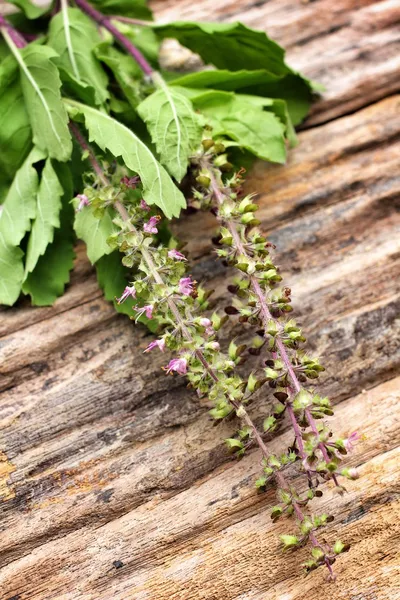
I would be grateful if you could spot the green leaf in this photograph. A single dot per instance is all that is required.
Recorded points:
(19, 207)
(225, 80)
(235, 47)
(230, 46)
(136, 9)
(47, 216)
(15, 130)
(18, 210)
(174, 128)
(31, 10)
(41, 88)
(144, 39)
(94, 232)
(74, 88)
(109, 134)
(239, 118)
(74, 36)
(125, 70)
(47, 282)
(52, 272)
(11, 272)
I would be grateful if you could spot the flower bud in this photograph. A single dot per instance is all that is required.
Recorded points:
(207, 143)
(203, 180)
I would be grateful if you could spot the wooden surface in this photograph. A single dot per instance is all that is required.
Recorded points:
(105, 459)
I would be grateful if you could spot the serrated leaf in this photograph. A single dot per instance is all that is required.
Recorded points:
(41, 88)
(230, 46)
(74, 36)
(52, 272)
(109, 134)
(31, 10)
(47, 282)
(94, 232)
(15, 130)
(17, 212)
(240, 118)
(77, 89)
(174, 128)
(125, 70)
(235, 47)
(128, 8)
(11, 272)
(47, 216)
(198, 83)
(19, 207)
(222, 79)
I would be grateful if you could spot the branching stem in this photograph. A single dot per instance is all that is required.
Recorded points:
(104, 21)
(266, 316)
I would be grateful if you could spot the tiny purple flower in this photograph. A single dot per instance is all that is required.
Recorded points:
(186, 286)
(213, 346)
(144, 205)
(351, 440)
(176, 255)
(128, 291)
(205, 322)
(177, 364)
(156, 344)
(353, 473)
(130, 182)
(147, 310)
(83, 201)
(150, 226)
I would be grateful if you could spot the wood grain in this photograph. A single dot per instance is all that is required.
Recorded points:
(103, 458)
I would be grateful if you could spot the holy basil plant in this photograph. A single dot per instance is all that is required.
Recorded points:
(99, 142)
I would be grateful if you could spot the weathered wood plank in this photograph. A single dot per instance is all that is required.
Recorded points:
(103, 458)
(95, 468)
(350, 46)
(190, 542)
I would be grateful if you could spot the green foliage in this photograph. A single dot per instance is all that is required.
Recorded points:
(74, 36)
(31, 10)
(19, 207)
(18, 210)
(174, 127)
(94, 232)
(245, 121)
(41, 88)
(126, 72)
(233, 47)
(15, 129)
(136, 9)
(111, 135)
(47, 216)
(47, 282)
(230, 46)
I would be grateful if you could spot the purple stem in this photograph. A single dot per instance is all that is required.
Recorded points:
(267, 316)
(13, 33)
(120, 37)
(174, 309)
(85, 146)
